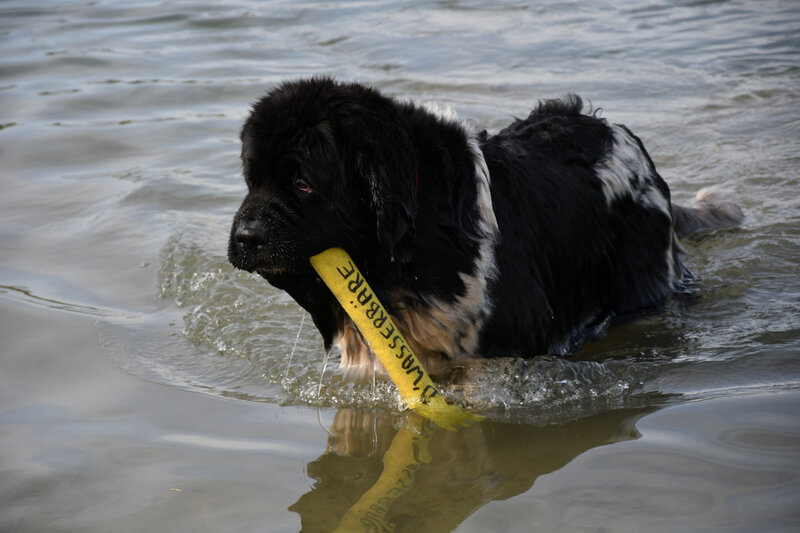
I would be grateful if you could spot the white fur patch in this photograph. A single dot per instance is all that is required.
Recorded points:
(440, 110)
(715, 201)
(626, 171)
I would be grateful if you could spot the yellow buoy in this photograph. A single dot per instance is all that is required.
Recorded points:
(340, 274)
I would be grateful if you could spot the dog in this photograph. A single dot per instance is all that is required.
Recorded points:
(525, 242)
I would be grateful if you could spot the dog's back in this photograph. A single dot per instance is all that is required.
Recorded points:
(587, 229)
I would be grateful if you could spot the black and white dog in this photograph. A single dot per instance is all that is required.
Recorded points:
(514, 244)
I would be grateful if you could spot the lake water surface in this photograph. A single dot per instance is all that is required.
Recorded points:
(146, 386)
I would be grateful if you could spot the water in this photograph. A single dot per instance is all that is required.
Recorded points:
(146, 385)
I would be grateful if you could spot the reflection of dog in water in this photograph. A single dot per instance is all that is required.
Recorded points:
(374, 474)
(520, 243)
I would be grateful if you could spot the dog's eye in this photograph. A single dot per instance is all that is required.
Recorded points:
(302, 186)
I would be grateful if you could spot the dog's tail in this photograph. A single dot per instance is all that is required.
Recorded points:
(710, 211)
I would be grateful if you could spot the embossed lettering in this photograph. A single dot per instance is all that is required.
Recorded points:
(347, 272)
(378, 322)
(374, 307)
(403, 350)
(393, 345)
(374, 523)
(425, 396)
(364, 296)
(418, 370)
(355, 284)
(388, 332)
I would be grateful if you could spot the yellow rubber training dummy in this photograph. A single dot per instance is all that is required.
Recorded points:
(340, 274)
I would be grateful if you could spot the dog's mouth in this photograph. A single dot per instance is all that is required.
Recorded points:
(261, 260)
(272, 271)
(287, 268)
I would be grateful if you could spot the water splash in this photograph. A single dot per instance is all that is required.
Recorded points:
(239, 316)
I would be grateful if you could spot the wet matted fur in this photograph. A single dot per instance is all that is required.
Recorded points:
(519, 243)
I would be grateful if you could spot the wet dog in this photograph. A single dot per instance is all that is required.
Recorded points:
(515, 244)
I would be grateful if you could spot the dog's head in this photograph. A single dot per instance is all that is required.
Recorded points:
(326, 164)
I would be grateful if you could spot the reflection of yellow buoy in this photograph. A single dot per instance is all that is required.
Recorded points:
(407, 454)
(348, 285)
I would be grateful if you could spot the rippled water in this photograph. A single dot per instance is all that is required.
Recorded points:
(120, 175)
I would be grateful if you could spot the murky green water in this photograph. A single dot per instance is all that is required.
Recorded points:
(145, 385)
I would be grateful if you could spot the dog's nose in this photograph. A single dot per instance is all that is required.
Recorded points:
(250, 235)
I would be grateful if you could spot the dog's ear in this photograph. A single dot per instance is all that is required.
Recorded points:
(386, 163)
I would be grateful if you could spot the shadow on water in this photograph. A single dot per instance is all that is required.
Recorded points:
(382, 473)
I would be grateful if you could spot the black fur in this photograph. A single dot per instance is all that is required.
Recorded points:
(583, 232)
